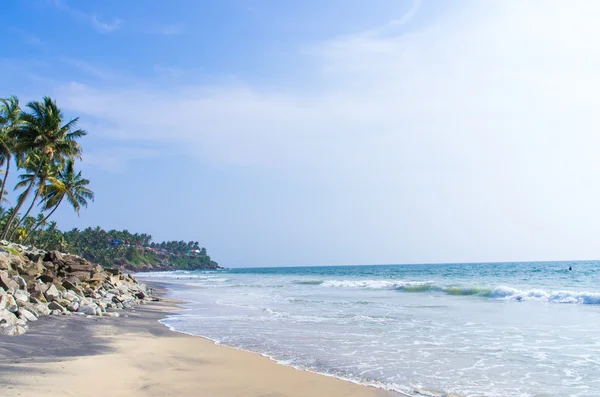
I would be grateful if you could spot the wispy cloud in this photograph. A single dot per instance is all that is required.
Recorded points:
(102, 26)
(117, 159)
(105, 26)
(387, 96)
(171, 30)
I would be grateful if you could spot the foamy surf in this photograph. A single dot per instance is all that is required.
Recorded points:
(427, 330)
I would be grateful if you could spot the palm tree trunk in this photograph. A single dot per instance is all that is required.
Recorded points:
(20, 204)
(42, 221)
(37, 195)
(4, 179)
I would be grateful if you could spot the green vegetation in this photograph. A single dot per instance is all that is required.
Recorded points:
(44, 149)
(130, 250)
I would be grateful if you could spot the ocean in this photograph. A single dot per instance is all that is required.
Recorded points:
(485, 329)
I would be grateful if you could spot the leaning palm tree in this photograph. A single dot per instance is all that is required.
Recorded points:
(10, 121)
(70, 185)
(43, 131)
(48, 170)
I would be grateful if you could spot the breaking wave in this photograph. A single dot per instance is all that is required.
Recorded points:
(500, 293)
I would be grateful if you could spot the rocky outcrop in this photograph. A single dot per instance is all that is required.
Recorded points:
(36, 283)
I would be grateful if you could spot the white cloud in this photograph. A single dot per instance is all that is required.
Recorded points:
(483, 83)
(485, 119)
(105, 26)
(101, 26)
(116, 159)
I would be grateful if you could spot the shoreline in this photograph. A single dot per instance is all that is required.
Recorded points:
(136, 355)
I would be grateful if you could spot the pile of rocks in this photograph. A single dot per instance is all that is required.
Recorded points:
(36, 283)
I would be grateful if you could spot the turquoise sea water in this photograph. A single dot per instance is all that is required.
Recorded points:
(496, 330)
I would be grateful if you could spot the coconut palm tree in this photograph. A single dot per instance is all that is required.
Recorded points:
(43, 131)
(68, 184)
(10, 120)
(49, 170)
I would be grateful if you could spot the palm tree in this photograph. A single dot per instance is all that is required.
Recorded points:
(43, 131)
(10, 120)
(69, 185)
(48, 170)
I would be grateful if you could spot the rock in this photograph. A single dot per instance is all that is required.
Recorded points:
(55, 306)
(8, 329)
(46, 278)
(8, 302)
(140, 295)
(71, 282)
(111, 314)
(7, 317)
(81, 268)
(35, 256)
(25, 314)
(54, 257)
(21, 296)
(55, 312)
(20, 282)
(4, 261)
(71, 296)
(73, 306)
(52, 293)
(42, 309)
(82, 276)
(88, 309)
(7, 282)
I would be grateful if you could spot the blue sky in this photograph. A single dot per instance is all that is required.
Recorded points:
(327, 132)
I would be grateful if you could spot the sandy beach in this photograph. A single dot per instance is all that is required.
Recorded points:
(137, 356)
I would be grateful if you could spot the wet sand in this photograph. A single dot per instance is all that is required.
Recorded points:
(137, 356)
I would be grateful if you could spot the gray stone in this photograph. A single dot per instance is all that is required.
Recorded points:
(8, 302)
(21, 296)
(7, 282)
(73, 306)
(7, 317)
(55, 313)
(71, 296)
(88, 309)
(52, 293)
(42, 309)
(55, 306)
(21, 282)
(25, 314)
(4, 261)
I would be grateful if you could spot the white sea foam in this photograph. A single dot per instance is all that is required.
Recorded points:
(373, 284)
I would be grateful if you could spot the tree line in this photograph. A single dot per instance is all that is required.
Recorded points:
(122, 248)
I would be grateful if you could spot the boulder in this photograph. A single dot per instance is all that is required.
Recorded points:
(7, 317)
(42, 309)
(71, 296)
(89, 309)
(82, 276)
(8, 302)
(52, 293)
(21, 296)
(25, 314)
(81, 268)
(71, 282)
(7, 282)
(54, 257)
(4, 261)
(46, 278)
(21, 282)
(73, 306)
(56, 306)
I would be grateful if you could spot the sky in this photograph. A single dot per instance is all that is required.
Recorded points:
(334, 132)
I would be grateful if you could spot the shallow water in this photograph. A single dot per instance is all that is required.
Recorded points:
(496, 330)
